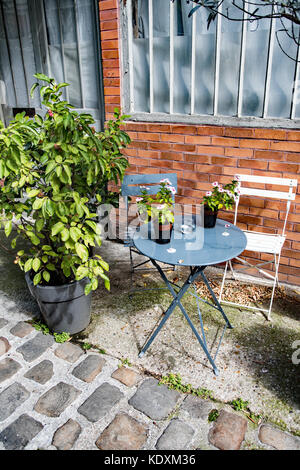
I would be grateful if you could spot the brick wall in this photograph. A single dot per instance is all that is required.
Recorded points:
(202, 154)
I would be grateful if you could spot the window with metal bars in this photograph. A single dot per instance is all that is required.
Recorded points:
(177, 69)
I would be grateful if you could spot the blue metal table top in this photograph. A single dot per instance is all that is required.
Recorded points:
(201, 247)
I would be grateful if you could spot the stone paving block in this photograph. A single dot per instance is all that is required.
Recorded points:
(89, 368)
(8, 367)
(21, 329)
(123, 433)
(100, 402)
(228, 431)
(69, 352)
(278, 439)
(36, 346)
(65, 437)
(41, 373)
(18, 434)
(3, 322)
(177, 436)
(4, 345)
(56, 400)
(196, 407)
(11, 398)
(126, 376)
(156, 401)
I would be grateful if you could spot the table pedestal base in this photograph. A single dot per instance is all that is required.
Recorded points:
(177, 296)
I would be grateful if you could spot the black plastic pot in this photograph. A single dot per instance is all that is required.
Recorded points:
(210, 217)
(163, 233)
(64, 308)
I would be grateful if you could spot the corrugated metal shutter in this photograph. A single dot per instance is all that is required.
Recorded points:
(59, 38)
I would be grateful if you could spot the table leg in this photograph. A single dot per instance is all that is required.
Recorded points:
(176, 302)
(216, 300)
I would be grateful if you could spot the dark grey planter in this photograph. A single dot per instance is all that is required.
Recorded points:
(64, 308)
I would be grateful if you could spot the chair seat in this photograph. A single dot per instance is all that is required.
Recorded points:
(263, 242)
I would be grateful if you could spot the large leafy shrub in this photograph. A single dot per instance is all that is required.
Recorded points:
(54, 171)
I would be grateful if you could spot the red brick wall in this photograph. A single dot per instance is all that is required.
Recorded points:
(202, 154)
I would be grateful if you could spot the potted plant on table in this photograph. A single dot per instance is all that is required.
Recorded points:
(51, 173)
(218, 198)
(159, 209)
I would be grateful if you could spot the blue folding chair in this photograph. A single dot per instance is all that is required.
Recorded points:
(131, 187)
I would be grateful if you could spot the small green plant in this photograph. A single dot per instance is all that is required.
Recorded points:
(101, 351)
(213, 415)
(86, 346)
(174, 381)
(239, 404)
(125, 362)
(61, 337)
(54, 173)
(157, 206)
(39, 326)
(221, 196)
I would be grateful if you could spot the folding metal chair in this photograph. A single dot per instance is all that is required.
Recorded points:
(258, 241)
(131, 187)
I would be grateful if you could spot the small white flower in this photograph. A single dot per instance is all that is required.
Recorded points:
(172, 189)
(165, 180)
(208, 193)
(138, 199)
(215, 183)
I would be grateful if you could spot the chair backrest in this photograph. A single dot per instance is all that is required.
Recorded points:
(131, 186)
(288, 195)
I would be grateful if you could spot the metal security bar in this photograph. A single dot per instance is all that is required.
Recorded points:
(144, 15)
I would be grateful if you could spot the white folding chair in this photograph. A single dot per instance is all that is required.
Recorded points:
(258, 241)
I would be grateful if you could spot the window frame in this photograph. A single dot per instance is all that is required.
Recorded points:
(126, 66)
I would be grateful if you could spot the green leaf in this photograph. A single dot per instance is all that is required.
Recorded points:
(104, 265)
(58, 227)
(38, 203)
(44, 78)
(33, 88)
(28, 265)
(88, 288)
(51, 165)
(36, 264)
(8, 228)
(65, 234)
(61, 85)
(46, 248)
(46, 276)
(39, 224)
(82, 252)
(33, 193)
(81, 272)
(75, 233)
(37, 278)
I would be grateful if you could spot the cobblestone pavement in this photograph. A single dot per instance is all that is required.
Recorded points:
(56, 396)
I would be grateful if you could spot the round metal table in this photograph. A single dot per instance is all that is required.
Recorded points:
(196, 247)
